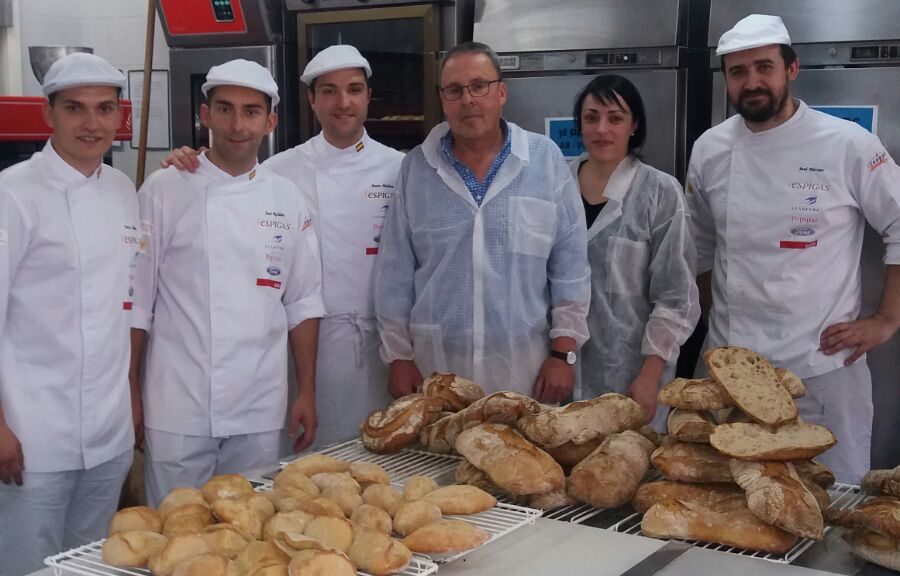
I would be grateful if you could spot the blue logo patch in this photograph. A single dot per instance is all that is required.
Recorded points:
(809, 200)
(277, 238)
(273, 271)
(803, 231)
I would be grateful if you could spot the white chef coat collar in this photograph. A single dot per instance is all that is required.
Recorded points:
(798, 114)
(63, 174)
(619, 181)
(325, 149)
(219, 176)
(431, 148)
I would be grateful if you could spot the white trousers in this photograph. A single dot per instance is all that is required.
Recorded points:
(351, 379)
(179, 461)
(55, 511)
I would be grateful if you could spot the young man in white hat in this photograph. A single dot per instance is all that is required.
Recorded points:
(347, 180)
(68, 237)
(779, 196)
(229, 274)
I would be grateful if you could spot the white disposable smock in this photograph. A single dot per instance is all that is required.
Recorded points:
(348, 191)
(67, 243)
(481, 291)
(779, 216)
(230, 265)
(644, 297)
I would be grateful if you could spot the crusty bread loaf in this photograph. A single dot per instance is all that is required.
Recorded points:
(455, 391)
(732, 416)
(551, 500)
(886, 482)
(685, 462)
(413, 515)
(570, 454)
(446, 536)
(389, 430)
(466, 473)
(610, 475)
(135, 518)
(461, 499)
(321, 563)
(690, 425)
(874, 547)
(226, 486)
(417, 487)
(799, 441)
(377, 553)
(728, 522)
(777, 496)
(316, 463)
(750, 381)
(819, 493)
(511, 462)
(371, 518)
(704, 495)
(582, 421)
(815, 472)
(701, 394)
(132, 549)
(440, 435)
(881, 514)
(384, 497)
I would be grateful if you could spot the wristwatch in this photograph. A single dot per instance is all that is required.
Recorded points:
(568, 357)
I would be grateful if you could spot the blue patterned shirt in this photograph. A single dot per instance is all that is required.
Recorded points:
(476, 188)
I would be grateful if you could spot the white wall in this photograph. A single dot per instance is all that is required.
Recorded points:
(115, 29)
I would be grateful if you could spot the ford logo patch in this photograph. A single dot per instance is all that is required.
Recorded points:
(803, 231)
(273, 271)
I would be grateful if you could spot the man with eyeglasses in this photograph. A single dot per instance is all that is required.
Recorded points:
(483, 267)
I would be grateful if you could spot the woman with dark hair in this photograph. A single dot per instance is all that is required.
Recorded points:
(644, 299)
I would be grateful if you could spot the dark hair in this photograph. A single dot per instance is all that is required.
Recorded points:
(787, 54)
(51, 98)
(312, 85)
(472, 48)
(615, 89)
(212, 90)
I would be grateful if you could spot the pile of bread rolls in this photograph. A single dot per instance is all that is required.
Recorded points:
(743, 477)
(874, 533)
(322, 516)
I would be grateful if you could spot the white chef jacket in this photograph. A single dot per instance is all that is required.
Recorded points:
(644, 297)
(348, 192)
(67, 245)
(230, 264)
(482, 290)
(779, 216)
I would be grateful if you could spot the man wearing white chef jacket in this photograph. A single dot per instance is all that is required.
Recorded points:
(779, 196)
(229, 273)
(68, 239)
(483, 270)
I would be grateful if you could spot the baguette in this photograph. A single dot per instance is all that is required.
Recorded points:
(510, 462)
(751, 382)
(777, 496)
(704, 495)
(610, 476)
(800, 441)
(729, 522)
(685, 462)
(690, 426)
(582, 421)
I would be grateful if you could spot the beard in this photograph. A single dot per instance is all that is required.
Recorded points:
(768, 107)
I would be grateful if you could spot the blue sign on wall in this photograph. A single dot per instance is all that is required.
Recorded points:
(563, 132)
(865, 116)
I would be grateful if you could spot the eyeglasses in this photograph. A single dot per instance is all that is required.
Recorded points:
(476, 89)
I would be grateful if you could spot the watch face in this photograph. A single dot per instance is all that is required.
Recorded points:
(570, 357)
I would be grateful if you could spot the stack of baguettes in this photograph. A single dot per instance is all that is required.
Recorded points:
(743, 477)
(323, 516)
(874, 533)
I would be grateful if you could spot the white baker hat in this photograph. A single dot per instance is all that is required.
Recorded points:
(752, 32)
(81, 69)
(337, 57)
(242, 73)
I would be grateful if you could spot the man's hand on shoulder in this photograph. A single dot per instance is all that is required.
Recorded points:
(12, 461)
(403, 378)
(184, 158)
(862, 335)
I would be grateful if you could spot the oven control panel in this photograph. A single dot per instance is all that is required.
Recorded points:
(222, 10)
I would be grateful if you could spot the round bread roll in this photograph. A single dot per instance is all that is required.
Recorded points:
(344, 496)
(316, 463)
(135, 518)
(377, 553)
(413, 515)
(177, 550)
(384, 497)
(238, 512)
(178, 498)
(418, 486)
(225, 539)
(189, 519)
(446, 536)
(334, 532)
(132, 549)
(371, 518)
(206, 565)
(325, 480)
(321, 506)
(258, 555)
(369, 473)
(292, 482)
(320, 563)
(261, 505)
(226, 486)
(278, 570)
(292, 543)
(294, 522)
(461, 499)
